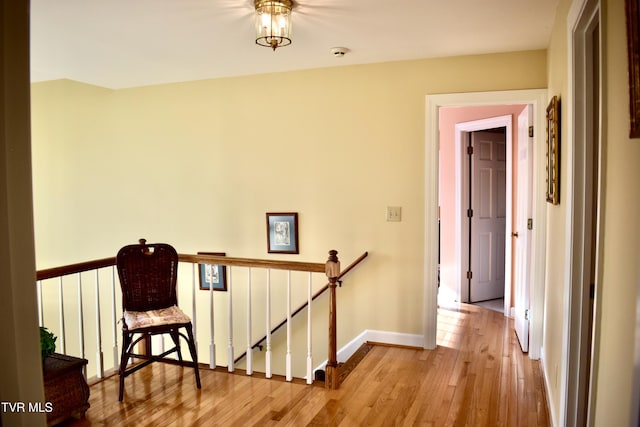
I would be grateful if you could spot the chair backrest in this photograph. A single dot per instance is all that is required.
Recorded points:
(148, 274)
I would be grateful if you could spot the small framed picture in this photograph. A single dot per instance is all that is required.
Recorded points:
(213, 275)
(553, 151)
(282, 232)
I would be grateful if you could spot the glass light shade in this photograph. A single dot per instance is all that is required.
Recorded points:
(273, 23)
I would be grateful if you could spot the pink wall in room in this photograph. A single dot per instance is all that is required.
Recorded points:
(449, 117)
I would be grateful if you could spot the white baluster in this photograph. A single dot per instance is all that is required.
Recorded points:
(40, 312)
(212, 342)
(81, 322)
(249, 352)
(63, 334)
(194, 285)
(114, 319)
(99, 355)
(268, 373)
(230, 362)
(289, 375)
(309, 354)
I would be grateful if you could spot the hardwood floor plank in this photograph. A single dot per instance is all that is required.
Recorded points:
(477, 376)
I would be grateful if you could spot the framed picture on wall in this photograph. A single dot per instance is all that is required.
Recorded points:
(282, 232)
(633, 52)
(213, 275)
(553, 151)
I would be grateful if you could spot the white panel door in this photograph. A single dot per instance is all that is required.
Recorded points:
(488, 201)
(521, 232)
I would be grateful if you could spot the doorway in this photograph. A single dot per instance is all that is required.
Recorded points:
(486, 211)
(514, 242)
(455, 200)
(535, 97)
(585, 197)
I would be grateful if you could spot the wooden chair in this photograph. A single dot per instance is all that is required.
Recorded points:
(148, 277)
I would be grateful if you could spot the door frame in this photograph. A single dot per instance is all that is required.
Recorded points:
(462, 170)
(535, 97)
(582, 16)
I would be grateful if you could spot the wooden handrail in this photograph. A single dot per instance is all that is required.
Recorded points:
(314, 267)
(353, 264)
(65, 270)
(258, 344)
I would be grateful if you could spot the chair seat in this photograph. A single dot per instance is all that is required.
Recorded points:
(146, 319)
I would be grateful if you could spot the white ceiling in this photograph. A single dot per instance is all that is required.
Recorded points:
(127, 43)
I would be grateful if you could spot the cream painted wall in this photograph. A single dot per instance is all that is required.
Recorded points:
(198, 164)
(556, 216)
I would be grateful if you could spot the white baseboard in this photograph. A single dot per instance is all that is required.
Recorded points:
(395, 338)
(546, 381)
(383, 337)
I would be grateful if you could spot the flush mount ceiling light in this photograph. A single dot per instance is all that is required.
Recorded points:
(273, 23)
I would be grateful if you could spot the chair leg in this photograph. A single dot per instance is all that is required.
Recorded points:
(194, 353)
(124, 359)
(175, 336)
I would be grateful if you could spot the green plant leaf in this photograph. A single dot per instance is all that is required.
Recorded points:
(47, 342)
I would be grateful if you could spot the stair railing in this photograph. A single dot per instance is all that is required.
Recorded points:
(331, 268)
(321, 291)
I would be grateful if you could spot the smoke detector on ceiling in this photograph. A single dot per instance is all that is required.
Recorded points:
(338, 52)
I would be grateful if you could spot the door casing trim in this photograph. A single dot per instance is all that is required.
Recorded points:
(536, 97)
(581, 18)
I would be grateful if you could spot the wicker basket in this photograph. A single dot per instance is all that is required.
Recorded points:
(65, 387)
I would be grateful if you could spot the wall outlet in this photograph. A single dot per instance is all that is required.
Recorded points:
(394, 213)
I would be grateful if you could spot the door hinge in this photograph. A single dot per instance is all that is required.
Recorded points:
(530, 131)
(470, 213)
(530, 224)
(470, 150)
(526, 314)
(469, 275)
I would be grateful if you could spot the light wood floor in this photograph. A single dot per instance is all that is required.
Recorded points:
(477, 376)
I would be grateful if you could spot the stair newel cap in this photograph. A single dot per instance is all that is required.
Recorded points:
(332, 267)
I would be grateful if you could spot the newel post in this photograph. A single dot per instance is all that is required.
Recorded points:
(332, 269)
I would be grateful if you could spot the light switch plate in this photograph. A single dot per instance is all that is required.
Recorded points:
(394, 213)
